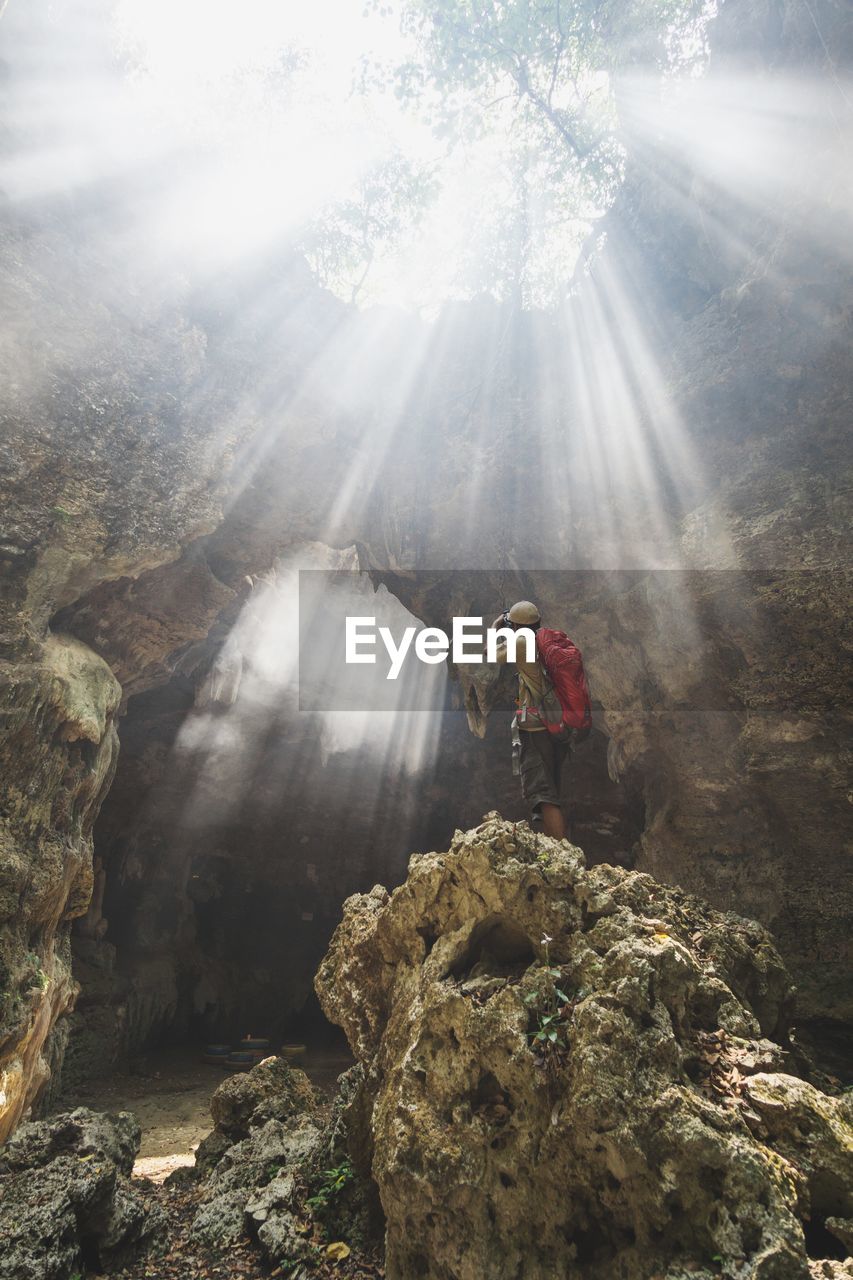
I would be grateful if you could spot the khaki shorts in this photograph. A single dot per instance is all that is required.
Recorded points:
(544, 769)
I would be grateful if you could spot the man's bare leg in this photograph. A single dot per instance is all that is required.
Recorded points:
(552, 821)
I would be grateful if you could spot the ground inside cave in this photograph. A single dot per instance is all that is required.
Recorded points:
(169, 1092)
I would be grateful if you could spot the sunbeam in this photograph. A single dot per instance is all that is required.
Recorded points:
(341, 325)
(263, 678)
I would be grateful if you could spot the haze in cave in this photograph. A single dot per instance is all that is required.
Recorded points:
(535, 313)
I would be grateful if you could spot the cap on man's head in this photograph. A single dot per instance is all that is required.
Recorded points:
(524, 613)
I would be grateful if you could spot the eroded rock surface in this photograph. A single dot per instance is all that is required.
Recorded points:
(581, 1073)
(57, 758)
(271, 1091)
(267, 1127)
(278, 1169)
(67, 1205)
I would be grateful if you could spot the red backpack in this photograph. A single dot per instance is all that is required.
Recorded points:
(566, 703)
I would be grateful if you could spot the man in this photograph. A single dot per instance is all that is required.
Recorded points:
(544, 759)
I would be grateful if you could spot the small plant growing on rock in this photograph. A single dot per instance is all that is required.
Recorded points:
(38, 980)
(296, 1267)
(550, 1028)
(551, 1007)
(331, 1186)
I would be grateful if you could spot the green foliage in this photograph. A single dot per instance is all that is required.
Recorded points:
(551, 1009)
(37, 978)
(540, 75)
(344, 240)
(547, 56)
(534, 54)
(549, 1029)
(333, 1183)
(291, 1266)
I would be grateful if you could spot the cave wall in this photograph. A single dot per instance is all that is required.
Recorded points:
(58, 757)
(165, 437)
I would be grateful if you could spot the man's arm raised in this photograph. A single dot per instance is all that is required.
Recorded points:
(500, 624)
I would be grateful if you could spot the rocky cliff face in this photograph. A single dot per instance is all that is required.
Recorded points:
(219, 884)
(581, 1073)
(67, 1201)
(58, 759)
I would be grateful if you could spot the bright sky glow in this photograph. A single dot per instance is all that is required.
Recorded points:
(276, 146)
(274, 142)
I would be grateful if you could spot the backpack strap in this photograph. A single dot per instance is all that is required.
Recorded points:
(534, 695)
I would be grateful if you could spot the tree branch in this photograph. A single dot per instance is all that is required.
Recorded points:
(553, 117)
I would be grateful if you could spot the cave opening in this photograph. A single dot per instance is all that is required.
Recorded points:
(226, 846)
(237, 824)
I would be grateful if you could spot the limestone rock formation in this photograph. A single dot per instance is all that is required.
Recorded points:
(270, 1091)
(266, 1128)
(581, 1073)
(66, 1202)
(57, 758)
(250, 1189)
(720, 691)
(277, 1168)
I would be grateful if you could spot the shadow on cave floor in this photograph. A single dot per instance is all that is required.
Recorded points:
(169, 1092)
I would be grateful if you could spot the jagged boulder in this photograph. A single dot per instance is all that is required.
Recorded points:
(270, 1091)
(244, 1171)
(580, 1073)
(244, 1103)
(266, 1127)
(66, 1202)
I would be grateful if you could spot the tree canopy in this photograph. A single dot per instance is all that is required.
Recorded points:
(541, 77)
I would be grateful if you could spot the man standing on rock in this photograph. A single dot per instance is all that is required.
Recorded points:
(543, 756)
